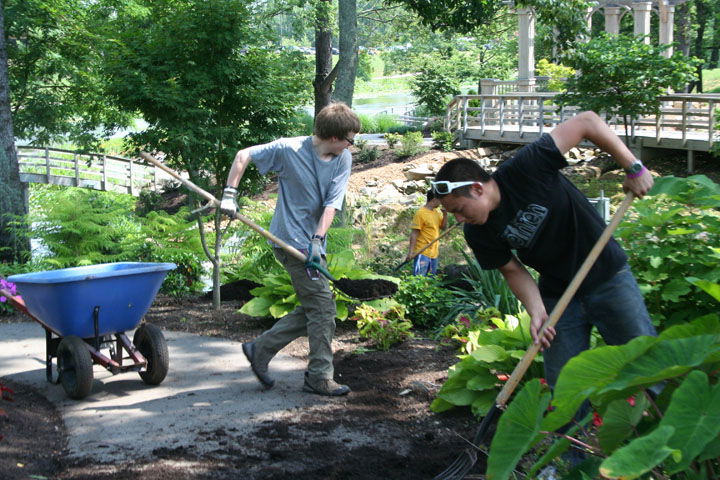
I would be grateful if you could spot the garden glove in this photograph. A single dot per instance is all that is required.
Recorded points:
(315, 249)
(229, 205)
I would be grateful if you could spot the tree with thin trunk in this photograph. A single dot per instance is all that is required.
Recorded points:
(348, 61)
(325, 74)
(12, 192)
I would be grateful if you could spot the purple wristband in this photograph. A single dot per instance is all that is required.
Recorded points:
(636, 175)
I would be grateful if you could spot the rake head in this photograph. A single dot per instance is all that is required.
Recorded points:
(460, 467)
(467, 460)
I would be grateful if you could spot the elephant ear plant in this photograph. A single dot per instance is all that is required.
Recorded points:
(677, 433)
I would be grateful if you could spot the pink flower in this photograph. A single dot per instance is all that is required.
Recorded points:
(597, 419)
(543, 382)
(631, 401)
(465, 321)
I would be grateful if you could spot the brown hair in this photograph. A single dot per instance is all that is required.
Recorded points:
(336, 120)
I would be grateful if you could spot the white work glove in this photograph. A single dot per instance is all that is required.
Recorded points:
(229, 205)
(314, 250)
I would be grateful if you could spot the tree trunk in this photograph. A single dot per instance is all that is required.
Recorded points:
(697, 51)
(14, 245)
(348, 62)
(324, 73)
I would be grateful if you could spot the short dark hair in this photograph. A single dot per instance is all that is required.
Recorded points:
(461, 170)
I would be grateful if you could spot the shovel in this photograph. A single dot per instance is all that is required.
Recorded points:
(426, 247)
(466, 460)
(351, 288)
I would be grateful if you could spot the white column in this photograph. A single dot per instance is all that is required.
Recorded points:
(526, 44)
(641, 18)
(667, 19)
(612, 20)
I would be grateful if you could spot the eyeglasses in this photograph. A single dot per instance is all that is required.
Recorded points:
(351, 141)
(444, 187)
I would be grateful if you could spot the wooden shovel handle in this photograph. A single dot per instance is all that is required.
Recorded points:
(288, 248)
(562, 304)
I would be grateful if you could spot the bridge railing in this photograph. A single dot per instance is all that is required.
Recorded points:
(100, 172)
(681, 116)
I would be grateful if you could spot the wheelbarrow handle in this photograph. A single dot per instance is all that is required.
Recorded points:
(208, 196)
(520, 369)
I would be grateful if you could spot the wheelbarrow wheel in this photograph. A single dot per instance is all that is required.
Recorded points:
(75, 367)
(151, 343)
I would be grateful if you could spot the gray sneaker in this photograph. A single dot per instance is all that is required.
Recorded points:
(324, 386)
(260, 372)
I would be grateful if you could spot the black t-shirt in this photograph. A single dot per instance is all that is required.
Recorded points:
(546, 220)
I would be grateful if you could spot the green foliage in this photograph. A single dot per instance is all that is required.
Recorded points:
(385, 328)
(5, 307)
(367, 153)
(460, 16)
(557, 73)
(55, 75)
(492, 350)
(623, 76)
(85, 227)
(433, 87)
(424, 299)
(277, 297)
(670, 237)
(486, 288)
(392, 139)
(411, 145)
(716, 146)
(444, 141)
(671, 435)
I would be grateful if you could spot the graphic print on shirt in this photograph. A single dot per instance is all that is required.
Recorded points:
(522, 231)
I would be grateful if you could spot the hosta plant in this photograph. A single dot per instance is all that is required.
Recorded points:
(277, 297)
(673, 435)
(491, 353)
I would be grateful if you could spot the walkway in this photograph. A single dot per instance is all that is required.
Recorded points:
(209, 388)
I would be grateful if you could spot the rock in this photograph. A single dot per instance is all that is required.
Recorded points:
(419, 173)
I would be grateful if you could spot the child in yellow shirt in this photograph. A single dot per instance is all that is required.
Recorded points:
(426, 226)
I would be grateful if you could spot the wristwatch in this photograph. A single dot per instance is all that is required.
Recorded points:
(319, 237)
(635, 168)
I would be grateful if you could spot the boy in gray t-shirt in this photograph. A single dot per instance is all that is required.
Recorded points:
(313, 174)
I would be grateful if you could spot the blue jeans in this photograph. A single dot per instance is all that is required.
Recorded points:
(615, 307)
(425, 265)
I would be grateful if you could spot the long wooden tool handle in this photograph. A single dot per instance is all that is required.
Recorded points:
(428, 245)
(288, 248)
(562, 304)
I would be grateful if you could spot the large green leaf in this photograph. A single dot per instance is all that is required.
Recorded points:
(483, 403)
(619, 421)
(482, 381)
(694, 412)
(257, 307)
(665, 359)
(712, 450)
(711, 288)
(517, 430)
(489, 353)
(639, 456)
(587, 373)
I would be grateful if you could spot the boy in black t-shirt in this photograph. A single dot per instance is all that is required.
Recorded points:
(528, 213)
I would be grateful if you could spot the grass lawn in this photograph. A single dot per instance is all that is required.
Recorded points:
(711, 81)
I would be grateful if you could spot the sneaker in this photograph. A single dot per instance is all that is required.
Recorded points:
(260, 372)
(325, 386)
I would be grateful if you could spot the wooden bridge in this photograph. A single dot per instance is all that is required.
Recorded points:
(91, 170)
(686, 122)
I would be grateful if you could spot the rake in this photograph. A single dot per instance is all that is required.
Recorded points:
(466, 460)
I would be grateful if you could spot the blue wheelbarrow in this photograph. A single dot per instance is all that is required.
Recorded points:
(86, 311)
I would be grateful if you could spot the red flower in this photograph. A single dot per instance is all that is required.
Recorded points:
(597, 419)
(543, 382)
(631, 401)
(465, 321)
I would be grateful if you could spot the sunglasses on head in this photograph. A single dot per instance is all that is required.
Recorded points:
(444, 187)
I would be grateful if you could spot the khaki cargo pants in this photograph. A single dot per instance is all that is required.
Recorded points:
(314, 318)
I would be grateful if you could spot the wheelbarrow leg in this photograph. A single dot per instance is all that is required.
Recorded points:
(51, 345)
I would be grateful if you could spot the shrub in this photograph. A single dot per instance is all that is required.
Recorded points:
(385, 328)
(367, 123)
(444, 141)
(424, 298)
(368, 154)
(558, 73)
(403, 129)
(411, 145)
(392, 139)
(671, 237)
(385, 122)
(433, 86)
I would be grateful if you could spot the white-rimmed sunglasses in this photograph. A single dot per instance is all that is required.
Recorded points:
(444, 187)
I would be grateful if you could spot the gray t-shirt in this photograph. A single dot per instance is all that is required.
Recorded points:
(307, 185)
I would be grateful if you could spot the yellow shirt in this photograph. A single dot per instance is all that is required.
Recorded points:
(428, 223)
